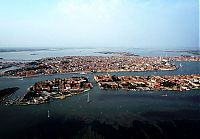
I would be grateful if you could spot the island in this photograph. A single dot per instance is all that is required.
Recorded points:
(194, 52)
(33, 54)
(85, 64)
(22, 49)
(149, 83)
(5, 93)
(118, 53)
(58, 88)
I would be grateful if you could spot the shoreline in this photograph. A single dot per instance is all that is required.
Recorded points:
(16, 103)
(88, 64)
(58, 88)
(87, 72)
(149, 83)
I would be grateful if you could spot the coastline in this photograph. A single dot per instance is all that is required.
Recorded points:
(79, 72)
(149, 83)
(58, 88)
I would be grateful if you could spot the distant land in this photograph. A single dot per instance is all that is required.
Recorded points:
(118, 53)
(194, 52)
(20, 49)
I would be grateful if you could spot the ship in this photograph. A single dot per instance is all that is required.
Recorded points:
(48, 114)
(164, 95)
(83, 73)
(88, 97)
(21, 78)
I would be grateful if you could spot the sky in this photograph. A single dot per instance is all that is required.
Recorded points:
(99, 23)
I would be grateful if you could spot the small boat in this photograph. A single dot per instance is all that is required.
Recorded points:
(21, 78)
(33, 54)
(88, 97)
(180, 65)
(164, 95)
(86, 90)
(83, 73)
(48, 115)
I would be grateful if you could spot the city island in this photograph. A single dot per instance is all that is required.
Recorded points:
(85, 64)
(45, 91)
(149, 83)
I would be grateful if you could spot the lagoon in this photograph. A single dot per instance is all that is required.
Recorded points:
(112, 109)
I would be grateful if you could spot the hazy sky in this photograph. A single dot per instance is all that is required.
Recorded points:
(99, 23)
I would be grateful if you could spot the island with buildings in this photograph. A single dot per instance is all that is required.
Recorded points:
(149, 83)
(45, 91)
(193, 52)
(68, 64)
(85, 64)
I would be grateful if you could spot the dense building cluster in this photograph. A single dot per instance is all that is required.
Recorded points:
(92, 64)
(138, 83)
(44, 91)
(57, 88)
(183, 58)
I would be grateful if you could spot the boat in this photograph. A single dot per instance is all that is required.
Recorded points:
(21, 78)
(48, 115)
(86, 90)
(180, 65)
(88, 97)
(164, 95)
(83, 73)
